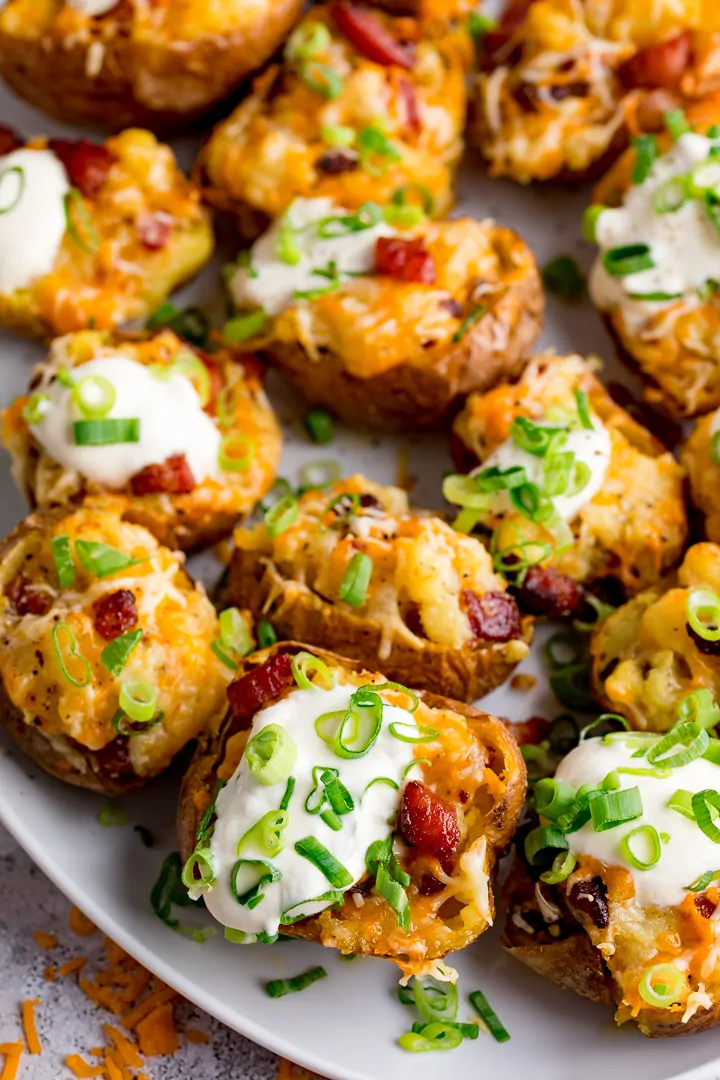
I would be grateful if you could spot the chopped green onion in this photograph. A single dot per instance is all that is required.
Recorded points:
(198, 873)
(138, 700)
(495, 479)
(394, 894)
(234, 632)
(691, 736)
(78, 222)
(320, 426)
(701, 708)
(266, 635)
(413, 733)
(704, 177)
(281, 516)
(316, 853)
(106, 432)
(534, 438)
(191, 324)
(531, 502)
(703, 881)
(682, 802)
(289, 789)
(605, 718)
(271, 755)
(435, 1036)
(116, 654)
(479, 23)
(374, 143)
(356, 579)
(333, 898)
(328, 790)
(590, 220)
(563, 865)
(676, 123)
(123, 725)
(102, 560)
(9, 203)
(553, 798)
(660, 985)
(244, 327)
(111, 814)
(35, 408)
(223, 656)
(191, 367)
(613, 808)
(337, 135)
(488, 1016)
(646, 152)
(94, 396)
(287, 245)
(712, 208)
(434, 1000)
(305, 662)
(563, 277)
(65, 378)
(650, 850)
(169, 890)
(468, 1031)
(308, 39)
(629, 259)
(708, 289)
(468, 321)
(671, 195)
(204, 827)
(583, 408)
(579, 813)
(541, 840)
(654, 297)
(366, 217)
(465, 491)
(236, 452)
(703, 613)
(266, 834)
(318, 474)
(353, 734)
(256, 873)
(377, 687)
(63, 560)
(400, 197)
(404, 216)
(73, 652)
(703, 804)
(279, 987)
(322, 79)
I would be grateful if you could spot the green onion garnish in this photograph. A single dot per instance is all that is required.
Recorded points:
(535, 438)
(255, 874)
(337, 135)
(646, 152)
(123, 725)
(78, 222)
(198, 873)
(236, 452)
(62, 557)
(479, 24)
(613, 808)
(266, 834)
(708, 289)
(676, 123)
(373, 144)
(191, 367)
(111, 814)
(279, 987)
(703, 804)
(94, 396)
(660, 985)
(553, 798)
(642, 847)
(404, 216)
(583, 408)
(316, 853)
(287, 245)
(169, 890)
(413, 733)
(354, 585)
(435, 1000)
(102, 560)
(281, 516)
(703, 613)
(266, 635)
(234, 632)
(73, 652)
(191, 324)
(682, 802)
(531, 502)
(35, 408)
(204, 828)
(353, 734)
(366, 217)
(320, 426)
(468, 1031)
(308, 39)
(700, 707)
(9, 202)
(116, 654)
(671, 195)
(303, 664)
(435, 1036)
(333, 898)
(271, 755)
(138, 700)
(468, 321)
(64, 377)
(322, 79)
(244, 327)
(629, 259)
(488, 1016)
(400, 197)
(590, 220)
(563, 277)
(540, 840)
(106, 432)
(691, 736)
(394, 894)
(563, 865)
(654, 297)
(289, 789)
(703, 881)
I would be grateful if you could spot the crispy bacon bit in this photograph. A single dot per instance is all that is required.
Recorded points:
(8, 140)
(428, 822)
(115, 614)
(545, 591)
(370, 37)
(412, 105)
(260, 686)
(704, 906)
(155, 230)
(406, 260)
(27, 598)
(430, 886)
(590, 897)
(87, 164)
(173, 477)
(659, 65)
(335, 162)
(529, 732)
(493, 616)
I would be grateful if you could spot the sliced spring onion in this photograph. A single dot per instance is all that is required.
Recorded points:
(356, 579)
(116, 653)
(605, 718)
(553, 798)
(256, 873)
(138, 700)
(583, 408)
(563, 277)
(280, 987)
(63, 560)
(235, 636)
(320, 426)
(318, 474)
(468, 321)
(94, 396)
(629, 259)
(535, 438)
(712, 208)
(613, 808)
(111, 814)
(703, 881)
(191, 324)
(246, 326)
(488, 1016)
(394, 894)
(78, 222)
(704, 177)
(198, 873)
(308, 39)
(223, 656)
(530, 501)
(479, 24)
(333, 898)
(65, 378)
(642, 847)
(541, 840)
(35, 408)
(303, 663)
(654, 297)
(287, 245)
(168, 890)
(435, 1000)
(563, 865)
(703, 613)
(708, 289)
(579, 813)
(322, 79)
(204, 828)
(671, 195)
(646, 152)
(703, 805)
(465, 491)
(468, 1031)
(692, 737)
(106, 432)
(311, 849)
(681, 801)
(123, 725)
(102, 560)
(376, 150)
(281, 516)
(494, 479)
(353, 734)
(590, 220)
(191, 367)
(368, 215)
(328, 790)
(402, 197)
(403, 216)
(435, 1036)
(337, 135)
(236, 452)
(660, 985)
(72, 651)
(12, 185)
(271, 755)
(396, 686)
(676, 123)
(413, 733)
(266, 834)
(287, 797)
(266, 635)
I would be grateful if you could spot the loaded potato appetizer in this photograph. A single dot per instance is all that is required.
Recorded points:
(354, 569)
(700, 455)
(362, 108)
(662, 645)
(614, 891)
(116, 63)
(656, 222)
(564, 84)
(105, 642)
(189, 440)
(93, 235)
(573, 491)
(383, 316)
(336, 806)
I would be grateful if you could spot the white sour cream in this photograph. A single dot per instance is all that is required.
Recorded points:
(244, 801)
(589, 446)
(92, 8)
(684, 244)
(171, 422)
(33, 183)
(272, 283)
(687, 854)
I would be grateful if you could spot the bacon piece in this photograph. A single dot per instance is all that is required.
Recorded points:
(428, 822)
(528, 732)
(260, 686)
(155, 230)
(704, 906)
(86, 163)
(412, 105)
(494, 41)
(27, 598)
(370, 37)
(336, 162)
(494, 616)
(659, 65)
(115, 614)
(9, 141)
(172, 477)
(405, 260)
(545, 591)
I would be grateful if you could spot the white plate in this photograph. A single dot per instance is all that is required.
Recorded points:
(346, 1026)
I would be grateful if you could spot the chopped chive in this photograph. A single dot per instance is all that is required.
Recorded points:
(488, 1016)
(316, 853)
(107, 432)
(646, 152)
(115, 656)
(468, 321)
(563, 277)
(266, 635)
(280, 987)
(62, 557)
(320, 426)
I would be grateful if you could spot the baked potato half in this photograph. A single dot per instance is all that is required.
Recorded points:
(453, 781)
(93, 234)
(363, 107)
(105, 642)
(654, 280)
(575, 492)
(662, 645)
(699, 456)
(385, 323)
(189, 440)
(610, 895)
(122, 63)
(564, 85)
(359, 572)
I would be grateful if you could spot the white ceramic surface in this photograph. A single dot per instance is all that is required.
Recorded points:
(345, 1027)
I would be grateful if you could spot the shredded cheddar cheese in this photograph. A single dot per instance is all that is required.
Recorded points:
(12, 1053)
(28, 1019)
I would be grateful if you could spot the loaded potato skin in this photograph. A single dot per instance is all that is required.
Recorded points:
(660, 646)
(121, 63)
(91, 234)
(363, 106)
(699, 456)
(433, 614)
(454, 812)
(611, 515)
(564, 86)
(203, 448)
(385, 323)
(105, 641)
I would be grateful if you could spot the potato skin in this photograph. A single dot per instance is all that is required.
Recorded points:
(703, 474)
(498, 824)
(146, 79)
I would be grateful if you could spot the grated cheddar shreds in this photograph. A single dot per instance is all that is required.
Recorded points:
(12, 1053)
(28, 1020)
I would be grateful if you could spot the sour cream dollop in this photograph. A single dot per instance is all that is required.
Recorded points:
(33, 185)
(271, 283)
(171, 422)
(244, 801)
(685, 856)
(684, 243)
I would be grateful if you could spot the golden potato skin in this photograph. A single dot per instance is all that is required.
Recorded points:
(119, 278)
(382, 353)
(142, 66)
(423, 573)
(703, 472)
(195, 520)
(69, 730)
(490, 815)
(271, 148)
(674, 351)
(635, 528)
(644, 661)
